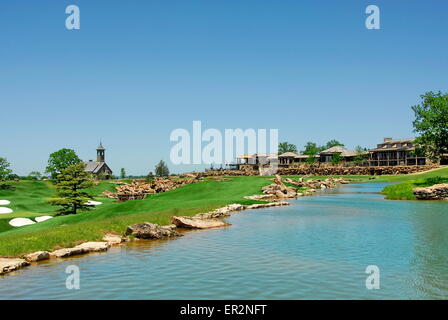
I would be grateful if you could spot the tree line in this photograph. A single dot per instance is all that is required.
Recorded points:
(311, 149)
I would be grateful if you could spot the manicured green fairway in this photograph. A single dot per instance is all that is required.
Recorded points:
(66, 231)
(27, 201)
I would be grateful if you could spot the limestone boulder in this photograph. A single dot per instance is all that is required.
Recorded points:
(9, 265)
(267, 205)
(112, 239)
(197, 223)
(37, 256)
(83, 248)
(259, 197)
(94, 246)
(235, 207)
(148, 230)
(67, 252)
(435, 192)
(221, 212)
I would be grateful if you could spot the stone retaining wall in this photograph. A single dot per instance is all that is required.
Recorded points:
(435, 192)
(328, 171)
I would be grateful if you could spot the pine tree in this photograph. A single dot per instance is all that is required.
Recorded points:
(162, 169)
(70, 185)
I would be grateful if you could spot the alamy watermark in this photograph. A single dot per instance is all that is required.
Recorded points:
(73, 281)
(373, 280)
(73, 21)
(373, 20)
(222, 147)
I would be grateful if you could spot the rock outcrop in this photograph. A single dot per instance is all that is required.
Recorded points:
(148, 230)
(279, 190)
(139, 189)
(113, 239)
(197, 223)
(37, 256)
(94, 246)
(267, 205)
(212, 219)
(83, 248)
(317, 183)
(220, 212)
(435, 192)
(66, 252)
(9, 265)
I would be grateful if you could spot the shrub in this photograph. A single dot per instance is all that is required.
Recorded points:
(5, 186)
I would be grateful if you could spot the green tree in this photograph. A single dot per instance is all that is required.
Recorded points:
(360, 154)
(312, 149)
(336, 158)
(70, 185)
(333, 143)
(36, 175)
(122, 173)
(431, 123)
(60, 160)
(162, 169)
(286, 147)
(5, 171)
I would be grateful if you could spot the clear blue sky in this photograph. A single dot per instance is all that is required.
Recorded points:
(139, 69)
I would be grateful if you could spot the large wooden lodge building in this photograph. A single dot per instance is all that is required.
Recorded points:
(390, 152)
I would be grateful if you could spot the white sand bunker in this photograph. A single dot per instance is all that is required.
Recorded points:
(5, 210)
(4, 202)
(43, 218)
(20, 222)
(93, 203)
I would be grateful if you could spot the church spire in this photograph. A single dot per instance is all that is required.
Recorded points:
(100, 153)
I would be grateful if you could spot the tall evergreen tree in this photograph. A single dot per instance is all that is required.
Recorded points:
(161, 169)
(71, 184)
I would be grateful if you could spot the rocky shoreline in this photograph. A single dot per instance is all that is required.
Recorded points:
(273, 195)
(435, 192)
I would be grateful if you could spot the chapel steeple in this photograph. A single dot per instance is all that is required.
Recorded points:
(100, 153)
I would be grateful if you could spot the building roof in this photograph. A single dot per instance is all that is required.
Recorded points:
(293, 155)
(302, 156)
(93, 166)
(398, 141)
(341, 150)
(395, 145)
(253, 155)
(100, 147)
(288, 155)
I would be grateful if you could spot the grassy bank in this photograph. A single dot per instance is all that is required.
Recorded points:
(66, 231)
(403, 190)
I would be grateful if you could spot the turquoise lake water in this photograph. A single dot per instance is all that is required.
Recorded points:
(317, 248)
